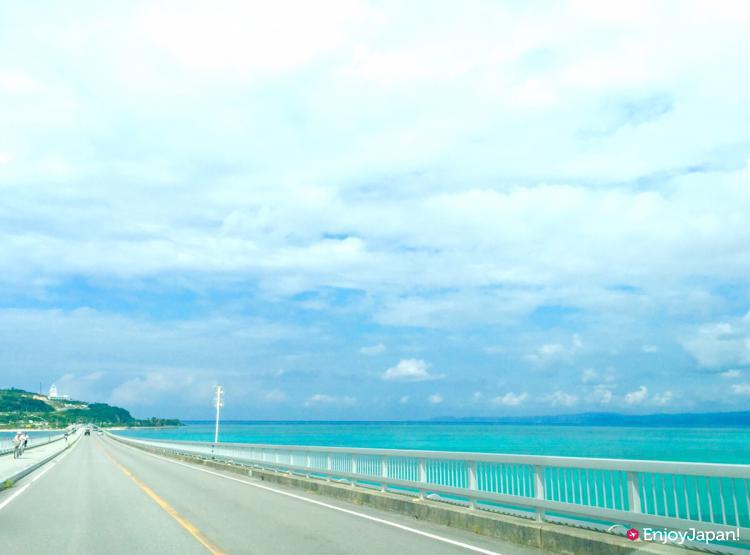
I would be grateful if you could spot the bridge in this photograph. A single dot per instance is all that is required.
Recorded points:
(111, 494)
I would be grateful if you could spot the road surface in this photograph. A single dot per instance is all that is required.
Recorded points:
(103, 497)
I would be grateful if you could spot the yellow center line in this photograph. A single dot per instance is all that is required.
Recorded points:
(167, 508)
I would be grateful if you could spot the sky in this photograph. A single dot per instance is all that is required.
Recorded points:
(377, 210)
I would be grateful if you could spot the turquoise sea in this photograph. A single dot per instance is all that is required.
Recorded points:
(722, 445)
(7, 435)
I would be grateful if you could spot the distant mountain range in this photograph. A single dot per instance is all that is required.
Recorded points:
(25, 409)
(693, 420)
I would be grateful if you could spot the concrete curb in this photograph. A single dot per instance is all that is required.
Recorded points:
(13, 478)
(550, 537)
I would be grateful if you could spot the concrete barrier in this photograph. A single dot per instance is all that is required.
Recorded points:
(22, 473)
(550, 537)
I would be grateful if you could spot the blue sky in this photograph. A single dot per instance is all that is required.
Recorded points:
(377, 209)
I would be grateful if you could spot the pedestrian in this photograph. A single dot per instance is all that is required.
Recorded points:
(17, 440)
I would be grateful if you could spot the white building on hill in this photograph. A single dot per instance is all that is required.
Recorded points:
(55, 396)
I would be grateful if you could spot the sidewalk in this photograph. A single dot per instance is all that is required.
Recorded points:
(14, 469)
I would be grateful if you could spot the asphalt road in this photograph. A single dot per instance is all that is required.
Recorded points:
(106, 498)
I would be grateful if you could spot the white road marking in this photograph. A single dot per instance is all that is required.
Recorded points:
(47, 468)
(12, 497)
(329, 506)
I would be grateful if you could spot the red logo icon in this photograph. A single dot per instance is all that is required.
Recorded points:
(632, 534)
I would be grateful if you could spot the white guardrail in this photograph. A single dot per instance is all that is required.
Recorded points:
(588, 492)
(6, 445)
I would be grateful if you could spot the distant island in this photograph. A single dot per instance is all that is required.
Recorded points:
(24, 409)
(692, 420)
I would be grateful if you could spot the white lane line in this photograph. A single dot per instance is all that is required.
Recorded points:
(333, 507)
(47, 468)
(12, 497)
(55, 462)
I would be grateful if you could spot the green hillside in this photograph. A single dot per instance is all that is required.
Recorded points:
(15, 400)
(20, 408)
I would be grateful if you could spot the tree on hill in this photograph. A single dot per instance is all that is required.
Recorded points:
(20, 408)
(16, 400)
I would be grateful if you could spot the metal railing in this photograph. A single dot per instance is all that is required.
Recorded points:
(6, 445)
(588, 492)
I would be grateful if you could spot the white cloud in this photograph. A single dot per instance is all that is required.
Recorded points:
(249, 37)
(562, 399)
(741, 388)
(589, 375)
(435, 399)
(368, 185)
(551, 350)
(324, 399)
(320, 398)
(721, 343)
(554, 352)
(409, 370)
(150, 389)
(664, 398)
(636, 397)
(18, 83)
(731, 374)
(602, 394)
(576, 343)
(160, 354)
(510, 399)
(372, 350)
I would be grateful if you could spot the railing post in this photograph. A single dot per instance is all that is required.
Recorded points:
(422, 476)
(539, 490)
(328, 467)
(472, 482)
(354, 469)
(634, 497)
(309, 463)
(383, 472)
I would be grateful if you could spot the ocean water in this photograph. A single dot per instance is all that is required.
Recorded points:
(7, 435)
(720, 445)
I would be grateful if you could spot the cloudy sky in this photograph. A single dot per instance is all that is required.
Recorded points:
(377, 209)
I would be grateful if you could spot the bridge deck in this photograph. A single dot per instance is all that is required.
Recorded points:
(103, 497)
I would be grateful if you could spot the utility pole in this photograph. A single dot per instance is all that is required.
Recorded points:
(218, 402)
